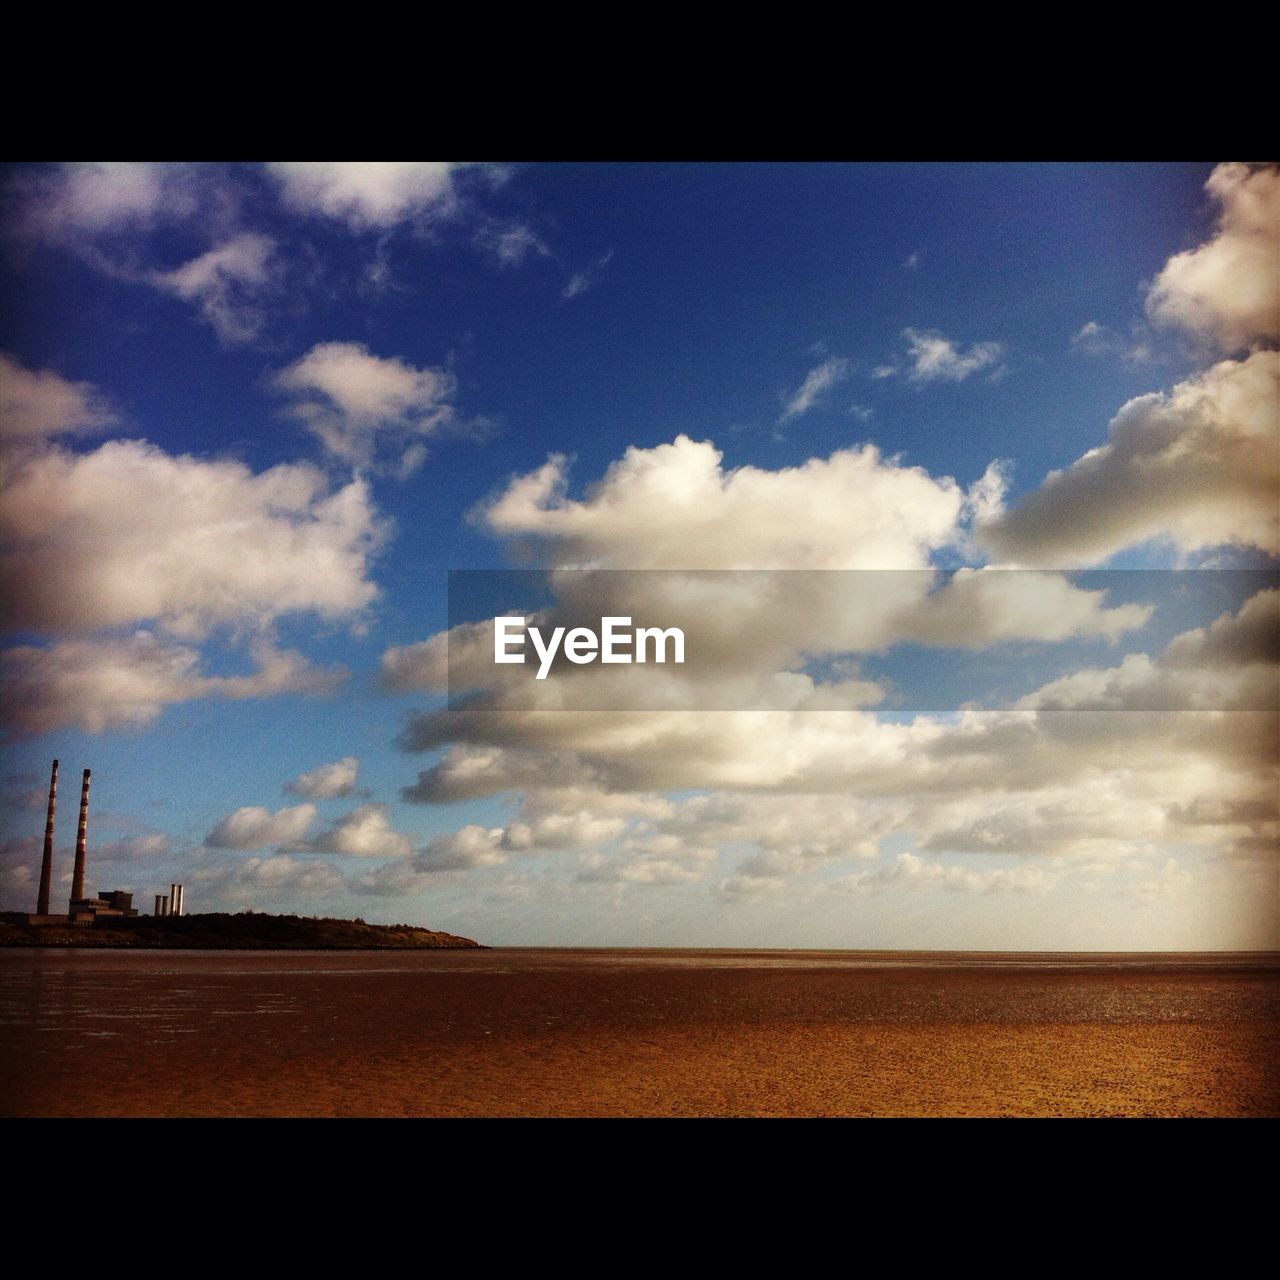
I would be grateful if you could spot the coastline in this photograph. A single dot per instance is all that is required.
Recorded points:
(223, 931)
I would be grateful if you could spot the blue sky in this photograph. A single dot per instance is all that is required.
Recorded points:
(346, 377)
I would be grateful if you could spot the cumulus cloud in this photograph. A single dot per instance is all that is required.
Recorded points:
(115, 218)
(909, 868)
(470, 846)
(752, 634)
(676, 507)
(326, 781)
(369, 195)
(94, 544)
(1198, 466)
(644, 866)
(362, 833)
(351, 399)
(1227, 291)
(932, 357)
(1076, 779)
(467, 848)
(226, 285)
(1094, 339)
(71, 203)
(277, 879)
(105, 683)
(256, 828)
(547, 820)
(129, 533)
(38, 404)
(1248, 638)
(1233, 664)
(817, 382)
(143, 848)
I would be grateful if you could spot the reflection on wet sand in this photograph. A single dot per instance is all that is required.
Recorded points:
(513, 1032)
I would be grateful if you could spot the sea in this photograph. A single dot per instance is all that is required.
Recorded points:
(525, 1032)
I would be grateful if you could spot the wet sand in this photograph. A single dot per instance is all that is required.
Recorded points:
(633, 1033)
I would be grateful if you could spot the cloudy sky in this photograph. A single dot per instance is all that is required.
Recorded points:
(1017, 425)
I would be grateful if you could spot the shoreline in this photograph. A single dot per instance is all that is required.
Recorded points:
(223, 931)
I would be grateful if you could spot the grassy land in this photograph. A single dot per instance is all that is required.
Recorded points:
(218, 931)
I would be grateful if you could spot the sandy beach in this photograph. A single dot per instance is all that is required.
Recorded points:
(617, 1033)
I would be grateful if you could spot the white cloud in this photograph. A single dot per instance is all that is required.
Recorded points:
(111, 216)
(36, 404)
(979, 607)
(362, 833)
(510, 243)
(105, 683)
(129, 533)
(1227, 290)
(751, 635)
(394, 879)
(70, 202)
(585, 279)
(369, 195)
(422, 665)
(1198, 466)
(226, 285)
(747, 886)
(798, 796)
(278, 879)
(1233, 665)
(351, 399)
(470, 846)
(935, 358)
(543, 827)
(255, 828)
(817, 382)
(1094, 339)
(646, 869)
(326, 781)
(1244, 639)
(142, 848)
(675, 506)
(911, 869)
(784, 836)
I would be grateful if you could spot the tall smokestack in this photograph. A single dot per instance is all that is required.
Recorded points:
(77, 876)
(46, 867)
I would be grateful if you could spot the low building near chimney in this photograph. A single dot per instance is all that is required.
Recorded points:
(84, 911)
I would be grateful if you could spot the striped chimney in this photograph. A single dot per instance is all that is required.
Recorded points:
(46, 866)
(77, 876)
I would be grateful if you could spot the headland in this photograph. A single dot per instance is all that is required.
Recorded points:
(222, 931)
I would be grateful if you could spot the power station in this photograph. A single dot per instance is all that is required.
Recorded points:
(82, 910)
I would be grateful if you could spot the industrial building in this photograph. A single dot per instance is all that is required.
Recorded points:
(82, 909)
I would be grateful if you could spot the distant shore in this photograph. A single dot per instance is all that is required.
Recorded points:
(220, 931)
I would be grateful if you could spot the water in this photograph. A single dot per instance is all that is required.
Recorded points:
(634, 1032)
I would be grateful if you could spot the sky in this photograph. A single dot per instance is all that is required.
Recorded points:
(964, 480)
